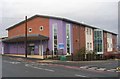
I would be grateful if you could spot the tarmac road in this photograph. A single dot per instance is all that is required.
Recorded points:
(15, 68)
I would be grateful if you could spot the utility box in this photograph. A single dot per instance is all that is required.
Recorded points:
(63, 58)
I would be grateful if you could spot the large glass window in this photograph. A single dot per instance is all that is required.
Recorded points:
(55, 37)
(98, 41)
(68, 40)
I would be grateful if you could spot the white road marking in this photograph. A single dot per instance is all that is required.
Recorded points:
(38, 68)
(49, 70)
(15, 62)
(101, 69)
(80, 75)
(112, 70)
(93, 68)
(28, 65)
(84, 67)
(11, 62)
(117, 71)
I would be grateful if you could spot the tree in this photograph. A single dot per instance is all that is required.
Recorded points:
(81, 53)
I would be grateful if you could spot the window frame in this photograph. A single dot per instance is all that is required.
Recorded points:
(53, 34)
(42, 28)
(29, 29)
(88, 45)
(68, 39)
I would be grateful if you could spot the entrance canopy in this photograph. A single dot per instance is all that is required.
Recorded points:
(30, 37)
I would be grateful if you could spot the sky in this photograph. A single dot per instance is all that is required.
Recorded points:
(98, 13)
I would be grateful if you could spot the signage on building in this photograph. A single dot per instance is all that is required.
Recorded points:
(36, 47)
(99, 52)
(32, 44)
(61, 45)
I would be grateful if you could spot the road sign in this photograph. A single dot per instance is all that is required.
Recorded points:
(61, 45)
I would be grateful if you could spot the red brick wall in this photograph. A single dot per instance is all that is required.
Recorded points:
(82, 37)
(34, 24)
(105, 41)
(114, 42)
(75, 38)
(78, 37)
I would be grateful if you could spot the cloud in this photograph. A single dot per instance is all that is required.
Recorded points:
(101, 13)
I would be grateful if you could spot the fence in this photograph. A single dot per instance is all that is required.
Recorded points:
(74, 57)
(85, 57)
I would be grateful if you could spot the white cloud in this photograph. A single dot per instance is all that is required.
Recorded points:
(98, 12)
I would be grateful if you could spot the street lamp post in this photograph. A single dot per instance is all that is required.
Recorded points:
(26, 36)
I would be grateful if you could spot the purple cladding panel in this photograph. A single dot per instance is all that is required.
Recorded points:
(64, 35)
(5, 48)
(19, 48)
(1, 45)
(61, 33)
(16, 48)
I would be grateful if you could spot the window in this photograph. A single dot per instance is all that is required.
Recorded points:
(109, 35)
(100, 47)
(111, 45)
(68, 41)
(107, 45)
(90, 31)
(55, 37)
(98, 44)
(30, 29)
(88, 46)
(87, 31)
(41, 28)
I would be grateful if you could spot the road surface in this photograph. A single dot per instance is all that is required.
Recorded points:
(15, 68)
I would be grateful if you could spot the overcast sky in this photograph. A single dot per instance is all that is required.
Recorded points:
(100, 13)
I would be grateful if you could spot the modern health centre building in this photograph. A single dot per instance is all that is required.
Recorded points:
(55, 33)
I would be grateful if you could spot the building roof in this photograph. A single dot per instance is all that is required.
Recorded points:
(59, 18)
(30, 37)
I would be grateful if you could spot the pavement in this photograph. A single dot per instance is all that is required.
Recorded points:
(28, 56)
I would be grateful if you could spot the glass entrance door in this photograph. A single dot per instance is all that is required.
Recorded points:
(31, 50)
